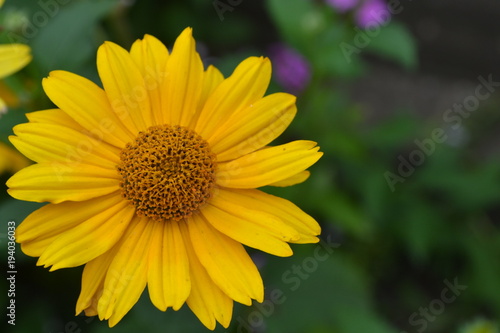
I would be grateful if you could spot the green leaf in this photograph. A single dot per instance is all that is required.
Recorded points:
(345, 213)
(297, 20)
(423, 229)
(319, 291)
(394, 42)
(388, 136)
(468, 187)
(481, 247)
(333, 58)
(338, 207)
(67, 40)
(305, 25)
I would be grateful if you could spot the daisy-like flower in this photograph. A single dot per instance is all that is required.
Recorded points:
(152, 180)
(292, 70)
(372, 13)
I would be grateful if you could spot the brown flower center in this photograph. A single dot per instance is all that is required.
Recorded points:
(167, 173)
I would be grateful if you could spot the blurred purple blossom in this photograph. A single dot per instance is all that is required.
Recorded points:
(291, 70)
(372, 13)
(343, 5)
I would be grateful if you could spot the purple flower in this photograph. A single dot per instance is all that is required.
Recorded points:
(291, 70)
(372, 13)
(343, 5)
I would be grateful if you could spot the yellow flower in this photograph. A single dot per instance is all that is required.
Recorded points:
(152, 180)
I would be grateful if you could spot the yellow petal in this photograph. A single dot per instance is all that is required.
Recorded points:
(168, 273)
(127, 273)
(58, 182)
(151, 57)
(245, 86)
(124, 85)
(93, 277)
(49, 142)
(288, 212)
(89, 239)
(36, 247)
(88, 105)
(226, 261)
(254, 127)
(13, 57)
(211, 80)
(54, 117)
(206, 300)
(3, 107)
(229, 213)
(268, 165)
(293, 180)
(52, 220)
(184, 81)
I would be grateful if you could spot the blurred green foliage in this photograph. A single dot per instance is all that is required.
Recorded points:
(388, 251)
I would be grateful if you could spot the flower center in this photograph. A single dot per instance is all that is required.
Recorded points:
(167, 173)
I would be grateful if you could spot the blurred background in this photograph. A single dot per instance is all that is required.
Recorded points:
(402, 96)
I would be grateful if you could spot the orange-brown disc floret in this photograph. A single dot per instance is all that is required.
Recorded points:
(167, 173)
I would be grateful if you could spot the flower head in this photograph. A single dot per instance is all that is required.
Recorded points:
(292, 70)
(372, 13)
(152, 180)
